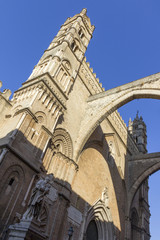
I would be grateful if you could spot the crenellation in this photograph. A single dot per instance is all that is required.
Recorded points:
(89, 78)
(88, 64)
(91, 69)
(94, 74)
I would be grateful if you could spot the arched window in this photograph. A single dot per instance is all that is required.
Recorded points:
(80, 32)
(11, 181)
(73, 45)
(11, 184)
(92, 231)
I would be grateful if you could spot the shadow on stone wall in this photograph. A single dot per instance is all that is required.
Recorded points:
(60, 209)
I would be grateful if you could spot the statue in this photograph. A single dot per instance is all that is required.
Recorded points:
(36, 202)
(111, 152)
(105, 197)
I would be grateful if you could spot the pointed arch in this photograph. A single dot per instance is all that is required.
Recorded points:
(100, 106)
(101, 215)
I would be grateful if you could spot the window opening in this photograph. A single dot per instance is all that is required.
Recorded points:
(11, 182)
(33, 135)
(73, 45)
(81, 33)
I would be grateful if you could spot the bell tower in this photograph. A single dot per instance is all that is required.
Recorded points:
(137, 129)
(30, 118)
(65, 53)
(41, 100)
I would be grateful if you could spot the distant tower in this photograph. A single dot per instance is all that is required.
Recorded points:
(137, 129)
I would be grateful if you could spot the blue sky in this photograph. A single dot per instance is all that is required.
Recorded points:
(125, 47)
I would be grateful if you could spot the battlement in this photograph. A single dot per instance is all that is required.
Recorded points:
(5, 103)
(89, 78)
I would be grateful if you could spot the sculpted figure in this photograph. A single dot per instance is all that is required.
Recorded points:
(105, 197)
(36, 202)
(111, 153)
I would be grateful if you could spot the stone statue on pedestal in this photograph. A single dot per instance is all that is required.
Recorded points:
(36, 202)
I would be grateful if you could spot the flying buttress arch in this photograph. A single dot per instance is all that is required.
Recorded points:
(99, 106)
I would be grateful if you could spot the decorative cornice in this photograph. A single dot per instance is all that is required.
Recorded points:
(28, 111)
(47, 80)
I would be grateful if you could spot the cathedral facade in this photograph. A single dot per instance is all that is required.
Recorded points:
(68, 163)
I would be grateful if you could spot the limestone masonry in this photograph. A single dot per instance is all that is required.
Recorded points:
(69, 166)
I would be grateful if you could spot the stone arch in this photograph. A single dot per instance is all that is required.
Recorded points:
(83, 29)
(67, 64)
(62, 140)
(102, 217)
(92, 163)
(142, 177)
(76, 45)
(11, 187)
(118, 101)
(12, 170)
(41, 117)
(93, 144)
(101, 105)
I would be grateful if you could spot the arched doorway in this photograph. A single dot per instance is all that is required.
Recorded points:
(92, 231)
(99, 223)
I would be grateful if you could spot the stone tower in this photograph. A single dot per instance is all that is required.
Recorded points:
(137, 129)
(29, 119)
(140, 212)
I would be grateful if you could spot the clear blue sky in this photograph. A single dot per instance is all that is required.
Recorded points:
(125, 47)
